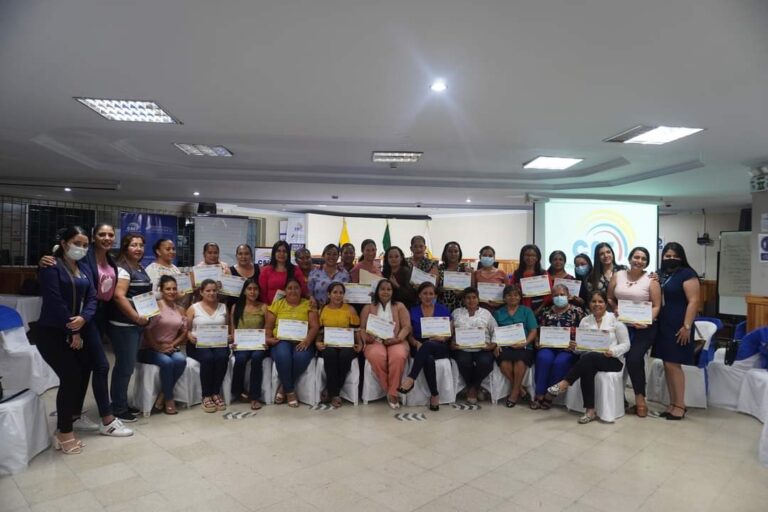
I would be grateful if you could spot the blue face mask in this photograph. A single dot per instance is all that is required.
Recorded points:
(560, 301)
(487, 261)
(582, 270)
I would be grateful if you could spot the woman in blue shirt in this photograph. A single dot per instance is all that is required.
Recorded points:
(515, 360)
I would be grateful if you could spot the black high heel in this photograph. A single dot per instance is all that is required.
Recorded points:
(434, 407)
(404, 391)
(671, 417)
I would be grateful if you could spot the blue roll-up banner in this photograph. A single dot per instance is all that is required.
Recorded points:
(153, 226)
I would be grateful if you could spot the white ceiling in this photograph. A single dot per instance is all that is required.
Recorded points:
(302, 92)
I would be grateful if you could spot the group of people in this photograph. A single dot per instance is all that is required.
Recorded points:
(87, 294)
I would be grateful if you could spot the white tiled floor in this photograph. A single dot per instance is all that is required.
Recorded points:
(362, 459)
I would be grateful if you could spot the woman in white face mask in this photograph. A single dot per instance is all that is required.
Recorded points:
(488, 272)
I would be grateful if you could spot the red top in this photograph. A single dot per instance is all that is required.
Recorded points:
(271, 280)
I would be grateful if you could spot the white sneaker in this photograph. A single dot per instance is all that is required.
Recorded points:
(85, 424)
(115, 429)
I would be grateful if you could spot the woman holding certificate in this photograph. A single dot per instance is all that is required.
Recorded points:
(321, 278)
(582, 267)
(515, 337)
(248, 313)
(430, 332)
(607, 356)
(126, 322)
(399, 274)
(605, 265)
(454, 276)
(680, 286)
(473, 342)
(533, 281)
(275, 276)
(419, 258)
(209, 343)
(161, 341)
(490, 280)
(337, 341)
(636, 299)
(291, 328)
(385, 326)
(555, 355)
(211, 253)
(366, 263)
(347, 257)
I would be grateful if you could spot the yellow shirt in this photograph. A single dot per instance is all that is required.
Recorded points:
(282, 310)
(344, 317)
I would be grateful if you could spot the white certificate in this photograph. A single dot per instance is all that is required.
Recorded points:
(369, 278)
(203, 272)
(232, 285)
(419, 276)
(573, 285)
(146, 304)
(470, 337)
(435, 326)
(491, 292)
(339, 336)
(635, 312)
(535, 286)
(211, 336)
(379, 327)
(183, 283)
(593, 340)
(554, 337)
(509, 335)
(250, 339)
(357, 293)
(456, 280)
(295, 330)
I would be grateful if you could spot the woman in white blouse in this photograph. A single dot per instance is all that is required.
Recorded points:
(590, 363)
(474, 363)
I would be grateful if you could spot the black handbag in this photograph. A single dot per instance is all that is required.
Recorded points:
(731, 349)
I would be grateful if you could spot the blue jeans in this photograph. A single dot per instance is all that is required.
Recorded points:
(291, 363)
(256, 357)
(552, 364)
(125, 344)
(171, 367)
(213, 367)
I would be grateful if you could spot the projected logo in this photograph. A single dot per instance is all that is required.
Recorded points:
(604, 226)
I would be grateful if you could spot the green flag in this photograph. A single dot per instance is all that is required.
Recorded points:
(387, 242)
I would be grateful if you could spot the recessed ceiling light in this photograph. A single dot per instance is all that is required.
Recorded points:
(656, 135)
(203, 150)
(396, 156)
(552, 162)
(468, 200)
(129, 110)
(322, 206)
(439, 85)
(67, 189)
(195, 194)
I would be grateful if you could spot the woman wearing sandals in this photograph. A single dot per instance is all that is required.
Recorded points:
(636, 285)
(389, 356)
(514, 361)
(162, 338)
(292, 356)
(426, 350)
(337, 360)
(248, 313)
(553, 363)
(213, 360)
(590, 363)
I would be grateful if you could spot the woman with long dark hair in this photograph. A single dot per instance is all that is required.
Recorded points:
(275, 276)
(248, 313)
(398, 271)
(366, 261)
(604, 267)
(451, 262)
(488, 272)
(530, 266)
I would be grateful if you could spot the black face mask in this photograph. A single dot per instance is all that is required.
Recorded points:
(670, 265)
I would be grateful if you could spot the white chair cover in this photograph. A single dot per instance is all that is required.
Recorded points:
(695, 385)
(372, 389)
(23, 429)
(306, 387)
(146, 386)
(21, 364)
(350, 390)
(447, 386)
(725, 381)
(267, 393)
(753, 397)
(609, 396)
(499, 386)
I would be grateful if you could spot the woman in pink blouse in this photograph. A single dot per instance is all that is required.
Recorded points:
(367, 261)
(280, 269)
(162, 338)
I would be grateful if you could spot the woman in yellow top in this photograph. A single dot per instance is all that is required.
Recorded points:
(293, 353)
(337, 359)
(248, 313)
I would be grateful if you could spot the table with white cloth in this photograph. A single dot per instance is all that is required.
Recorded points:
(23, 431)
(28, 306)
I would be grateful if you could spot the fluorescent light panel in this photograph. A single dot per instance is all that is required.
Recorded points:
(655, 135)
(203, 150)
(141, 111)
(552, 163)
(396, 156)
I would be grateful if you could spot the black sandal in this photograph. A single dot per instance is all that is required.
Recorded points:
(510, 404)
(546, 403)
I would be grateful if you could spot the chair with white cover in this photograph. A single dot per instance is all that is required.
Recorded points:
(753, 396)
(306, 388)
(609, 396)
(372, 389)
(695, 376)
(267, 392)
(21, 365)
(725, 380)
(447, 385)
(499, 386)
(146, 386)
(350, 390)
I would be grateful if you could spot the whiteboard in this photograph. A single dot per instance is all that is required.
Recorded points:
(734, 272)
(227, 232)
